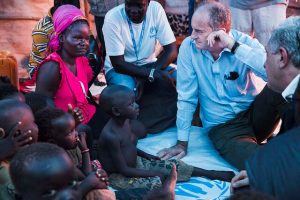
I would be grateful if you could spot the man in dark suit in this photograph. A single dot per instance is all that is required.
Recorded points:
(274, 168)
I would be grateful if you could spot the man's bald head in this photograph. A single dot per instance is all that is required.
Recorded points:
(218, 15)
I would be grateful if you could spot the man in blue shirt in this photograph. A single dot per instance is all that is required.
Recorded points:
(216, 66)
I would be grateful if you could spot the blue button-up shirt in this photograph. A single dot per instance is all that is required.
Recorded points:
(200, 77)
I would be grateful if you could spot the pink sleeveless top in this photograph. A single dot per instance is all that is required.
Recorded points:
(73, 89)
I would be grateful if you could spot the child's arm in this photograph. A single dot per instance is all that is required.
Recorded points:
(86, 165)
(113, 145)
(95, 180)
(147, 155)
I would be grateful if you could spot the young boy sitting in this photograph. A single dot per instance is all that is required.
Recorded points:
(128, 166)
(44, 171)
(17, 129)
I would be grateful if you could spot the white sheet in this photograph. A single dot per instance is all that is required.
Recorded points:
(201, 153)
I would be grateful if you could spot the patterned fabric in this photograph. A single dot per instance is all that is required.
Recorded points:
(109, 4)
(40, 39)
(179, 24)
(101, 7)
(118, 181)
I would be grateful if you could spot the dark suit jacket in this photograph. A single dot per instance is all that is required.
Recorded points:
(275, 168)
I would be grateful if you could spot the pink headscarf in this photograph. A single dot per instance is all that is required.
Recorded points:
(62, 18)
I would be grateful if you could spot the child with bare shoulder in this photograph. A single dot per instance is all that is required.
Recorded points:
(129, 167)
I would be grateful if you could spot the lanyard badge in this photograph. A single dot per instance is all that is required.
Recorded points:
(136, 48)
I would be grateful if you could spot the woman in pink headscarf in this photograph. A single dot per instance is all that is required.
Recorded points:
(64, 75)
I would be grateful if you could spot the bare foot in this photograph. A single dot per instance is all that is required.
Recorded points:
(170, 183)
(167, 191)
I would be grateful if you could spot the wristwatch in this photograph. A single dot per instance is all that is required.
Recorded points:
(151, 75)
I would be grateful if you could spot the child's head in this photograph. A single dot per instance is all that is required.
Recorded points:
(38, 101)
(9, 91)
(119, 101)
(12, 112)
(58, 127)
(41, 171)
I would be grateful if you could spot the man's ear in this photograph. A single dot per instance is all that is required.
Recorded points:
(115, 111)
(284, 57)
(2, 133)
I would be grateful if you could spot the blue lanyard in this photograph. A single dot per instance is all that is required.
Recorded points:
(136, 48)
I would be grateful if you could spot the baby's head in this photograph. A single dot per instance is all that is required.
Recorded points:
(58, 127)
(38, 101)
(41, 171)
(119, 102)
(13, 112)
(9, 91)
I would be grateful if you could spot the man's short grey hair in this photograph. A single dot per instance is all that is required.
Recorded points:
(287, 35)
(219, 15)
